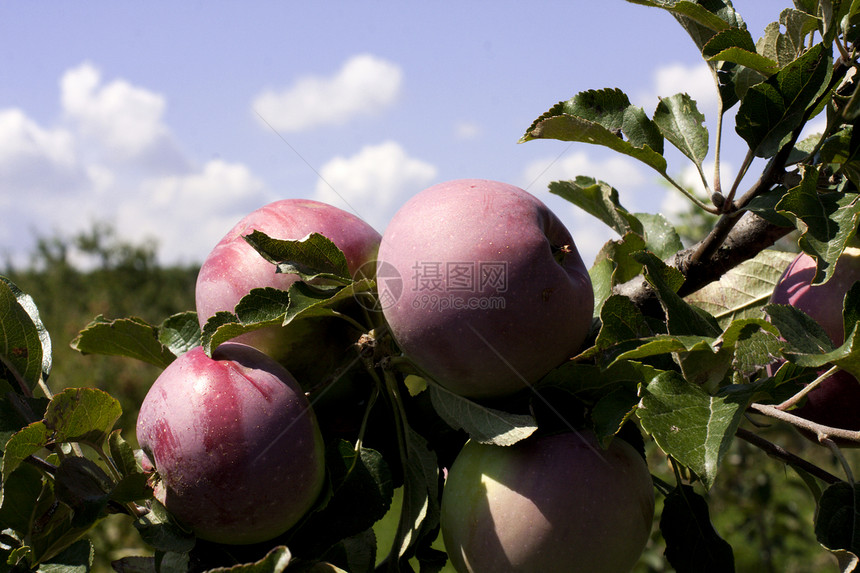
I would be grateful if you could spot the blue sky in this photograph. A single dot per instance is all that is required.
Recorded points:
(173, 120)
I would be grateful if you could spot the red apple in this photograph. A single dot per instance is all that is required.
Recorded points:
(235, 443)
(494, 292)
(836, 401)
(553, 503)
(233, 268)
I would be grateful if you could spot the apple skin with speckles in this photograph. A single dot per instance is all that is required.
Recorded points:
(554, 503)
(494, 292)
(235, 444)
(836, 401)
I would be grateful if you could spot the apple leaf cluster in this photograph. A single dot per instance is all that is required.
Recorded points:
(684, 354)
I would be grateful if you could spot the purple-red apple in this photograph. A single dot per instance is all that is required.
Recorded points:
(836, 401)
(236, 446)
(494, 292)
(558, 502)
(233, 268)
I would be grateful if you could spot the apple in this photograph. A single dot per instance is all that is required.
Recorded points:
(836, 401)
(235, 444)
(494, 292)
(233, 268)
(557, 502)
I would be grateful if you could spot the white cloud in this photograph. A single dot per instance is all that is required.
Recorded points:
(467, 130)
(29, 152)
(620, 172)
(695, 80)
(189, 213)
(364, 84)
(370, 182)
(119, 116)
(112, 159)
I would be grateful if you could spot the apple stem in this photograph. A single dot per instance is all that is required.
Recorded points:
(354, 323)
(364, 420)
(807, 389)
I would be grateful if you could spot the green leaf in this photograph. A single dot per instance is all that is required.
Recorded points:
(76, 558)
(275, 561)
(16, 411)
(362, 490)
(122, 454)
(749, 59)
(130, 337)
(270, 307)
(661, 238)
(313, 257)
(82, 415)
(682, 124)
(307, 301)
(837, 518)
(692, 543)
(25, 346)
(419, 516)
(56, 531)
(851, 309)
(598, 199)
(803, 335)
(23, 444)
(741, 292)
(620, 320)
(719, 17)
(21, 491)
(756, 351)
(847, 356)
(603, 118)
(483, 424)
(158, 529)
(842, 150)
(729, 38)
(773, 109)
(688, 424)
(180, 333)
(681, 317)
(615, 265)
(611, 411)
(82, 485)
(827, 221)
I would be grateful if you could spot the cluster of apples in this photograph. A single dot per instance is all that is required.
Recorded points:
(482, 289)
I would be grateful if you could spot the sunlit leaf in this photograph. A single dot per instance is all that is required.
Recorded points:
(130, 337)
(689, 424)
(483, 424)
(25, 346)
(741, 292)
(313, 257)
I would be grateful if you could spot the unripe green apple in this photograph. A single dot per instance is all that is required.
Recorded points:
(494, 292)
(235, 443)
(836, 401)
(555, 503)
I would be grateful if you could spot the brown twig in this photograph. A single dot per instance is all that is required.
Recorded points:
(780, 453)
